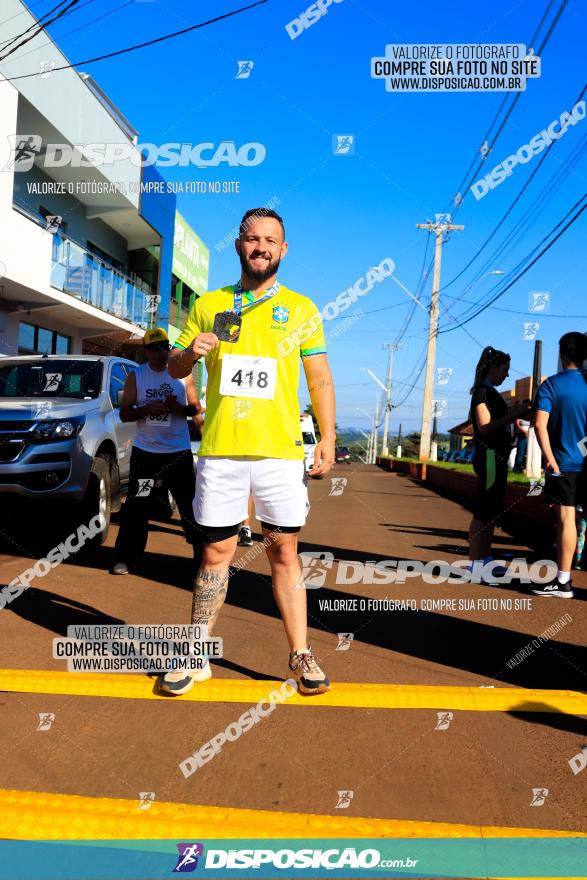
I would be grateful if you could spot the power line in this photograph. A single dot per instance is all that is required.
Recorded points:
(513, 204)
(40, 27)
(80, 27)
(504, 101)
(538, 205)
(451, 203)
(529, 266)
(541, 48)
(17, 14)
(518, 311)
(143, 45)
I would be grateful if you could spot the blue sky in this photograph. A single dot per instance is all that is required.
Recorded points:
(344, 214)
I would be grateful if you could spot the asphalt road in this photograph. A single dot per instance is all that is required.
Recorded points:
(476, 767)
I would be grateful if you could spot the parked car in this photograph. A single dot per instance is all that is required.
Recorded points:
(465, 456)
(61, 437)
(342, 454)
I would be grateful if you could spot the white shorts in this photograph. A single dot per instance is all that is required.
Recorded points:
(223, 486)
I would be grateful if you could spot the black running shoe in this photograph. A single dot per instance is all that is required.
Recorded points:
(555, 588)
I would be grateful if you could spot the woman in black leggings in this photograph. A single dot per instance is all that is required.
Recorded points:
(490, 417)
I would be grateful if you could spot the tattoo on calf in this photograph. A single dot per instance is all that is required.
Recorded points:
(209, 595)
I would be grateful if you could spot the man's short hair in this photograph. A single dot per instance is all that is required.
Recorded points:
(256, 214)
(573, 348)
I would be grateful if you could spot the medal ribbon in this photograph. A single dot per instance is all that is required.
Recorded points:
(238, 297)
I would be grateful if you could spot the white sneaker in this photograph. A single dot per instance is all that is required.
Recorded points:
(182, 681)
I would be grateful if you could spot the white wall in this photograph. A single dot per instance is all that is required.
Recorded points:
(63, 98)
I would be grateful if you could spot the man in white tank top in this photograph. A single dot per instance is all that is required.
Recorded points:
(161, 458)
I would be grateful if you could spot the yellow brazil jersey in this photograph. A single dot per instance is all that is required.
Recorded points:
(279, 330)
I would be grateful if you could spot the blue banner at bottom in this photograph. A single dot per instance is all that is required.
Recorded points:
(534, 857)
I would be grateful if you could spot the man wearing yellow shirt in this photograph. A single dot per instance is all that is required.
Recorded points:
(252, 335)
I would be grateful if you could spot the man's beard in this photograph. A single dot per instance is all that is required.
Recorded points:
(259, 274)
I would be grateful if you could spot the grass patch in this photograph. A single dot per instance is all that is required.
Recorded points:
(468, 469)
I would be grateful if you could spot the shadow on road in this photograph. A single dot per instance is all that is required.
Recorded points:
(542, 713)
(56, 613)
(455, 642)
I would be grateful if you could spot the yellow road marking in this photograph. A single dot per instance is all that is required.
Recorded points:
(33, 815)
(354, 695)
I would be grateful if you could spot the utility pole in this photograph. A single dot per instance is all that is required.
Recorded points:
(392, 346)
(533, 453)
(440, 227)
(434, 443)
(375, 432)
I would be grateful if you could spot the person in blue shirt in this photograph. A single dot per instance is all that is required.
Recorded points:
(561, 430)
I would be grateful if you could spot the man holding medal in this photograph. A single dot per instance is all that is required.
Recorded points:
(252, 335)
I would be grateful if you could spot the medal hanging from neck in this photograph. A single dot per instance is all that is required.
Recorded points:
(227, 324)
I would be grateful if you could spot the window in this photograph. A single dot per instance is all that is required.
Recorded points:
(26, 338)
(117, 379)
(52, 378)
(44, 340)
(61, 344)
(39, 340)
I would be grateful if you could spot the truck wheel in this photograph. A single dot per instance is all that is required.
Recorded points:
(98, 499)
(116, 502)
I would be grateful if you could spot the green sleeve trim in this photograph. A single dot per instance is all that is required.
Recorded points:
(177, 345)
(307, 352)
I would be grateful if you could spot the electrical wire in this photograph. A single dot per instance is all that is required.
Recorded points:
(11, 40)
(465, 187)
(539, 204)
(532, 263)
(40, 26)
(512, 206)
(133, 48)
(80, 27)
(502, 105)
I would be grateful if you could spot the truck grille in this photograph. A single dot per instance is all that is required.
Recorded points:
(12, 425)
(10, 449)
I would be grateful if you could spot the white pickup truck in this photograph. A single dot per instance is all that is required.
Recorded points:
(309, 439)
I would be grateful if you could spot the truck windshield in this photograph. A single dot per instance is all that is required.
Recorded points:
(309, 439)
(51, 378)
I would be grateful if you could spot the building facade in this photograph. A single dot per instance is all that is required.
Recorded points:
(86, 238)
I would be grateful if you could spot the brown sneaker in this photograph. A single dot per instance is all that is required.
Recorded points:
(310, 678)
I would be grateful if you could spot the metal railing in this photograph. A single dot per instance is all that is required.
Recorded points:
(80, 273)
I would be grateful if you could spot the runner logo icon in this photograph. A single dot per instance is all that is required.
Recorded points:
(187, 860)
(343, 144)
(315, 565)
(244, 69)
(344, 800)
(444, 719)
(46, 719)
(144, 488)
(539, 795)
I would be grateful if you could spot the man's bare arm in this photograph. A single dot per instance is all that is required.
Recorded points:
(541, 429)
(129, 411)
(181, 360)
(321, 388)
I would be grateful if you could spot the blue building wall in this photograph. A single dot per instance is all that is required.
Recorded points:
(158, 209)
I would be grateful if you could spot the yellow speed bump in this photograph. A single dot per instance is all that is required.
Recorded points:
(33, 815)
(352, 695)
